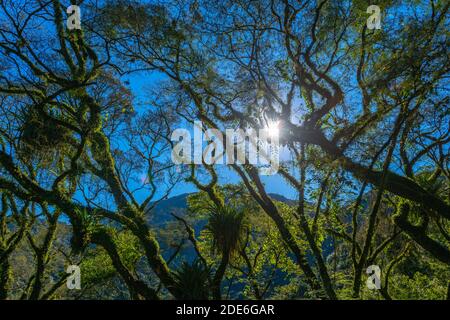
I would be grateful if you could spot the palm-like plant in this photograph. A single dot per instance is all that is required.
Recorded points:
(193, 281)
(226, 226)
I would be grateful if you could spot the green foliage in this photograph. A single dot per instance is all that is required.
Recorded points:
(193, 280)
(42, 138)
(226, 225)
(363, 115)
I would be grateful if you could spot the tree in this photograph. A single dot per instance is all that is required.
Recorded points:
(241, 64)
(362, 114)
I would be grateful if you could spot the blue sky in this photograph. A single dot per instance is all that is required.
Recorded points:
(140, 85)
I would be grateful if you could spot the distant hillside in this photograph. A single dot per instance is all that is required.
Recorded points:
(178, 204)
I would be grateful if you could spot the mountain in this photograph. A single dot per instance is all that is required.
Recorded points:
(161, 214)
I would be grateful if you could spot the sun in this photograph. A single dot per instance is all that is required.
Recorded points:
(272, 128)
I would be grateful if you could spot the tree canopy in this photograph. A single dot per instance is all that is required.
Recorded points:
(363, 122)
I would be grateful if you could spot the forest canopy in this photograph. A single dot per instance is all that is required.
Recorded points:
(87, 178)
